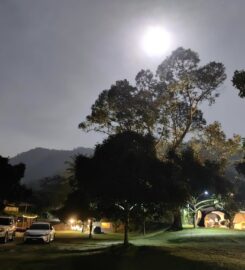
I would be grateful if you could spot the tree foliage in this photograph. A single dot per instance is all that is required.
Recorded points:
(166, 105)
(239, 194)
(201, 175)
(238, 81)
(236, 201)
(52, 193)
(212, 144)
(11, 188)
(126, 174)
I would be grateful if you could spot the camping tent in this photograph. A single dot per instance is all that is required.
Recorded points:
(215, 219)
(239, 221)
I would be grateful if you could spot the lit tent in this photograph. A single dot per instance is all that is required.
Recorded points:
(239, 221)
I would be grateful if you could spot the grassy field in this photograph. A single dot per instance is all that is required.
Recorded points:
(188, 249)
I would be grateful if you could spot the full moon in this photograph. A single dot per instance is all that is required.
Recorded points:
(156, 41)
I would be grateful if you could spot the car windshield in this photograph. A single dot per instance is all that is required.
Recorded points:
(39, 227)
(5, 221)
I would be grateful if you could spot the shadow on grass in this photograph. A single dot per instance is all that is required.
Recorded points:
(206, 239)
(116, 258)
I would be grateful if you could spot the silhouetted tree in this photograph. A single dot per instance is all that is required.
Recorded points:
(166, 105)
(52, 193)
(81, 202)
(238, 81)
(11, 188)
(198, 176)
(239, 193)
(212, 144)
(126, 173)
(236, 201)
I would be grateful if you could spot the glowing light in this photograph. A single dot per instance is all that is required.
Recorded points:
(106, 225)
(71, 221)
(32, 217)
(156, 41)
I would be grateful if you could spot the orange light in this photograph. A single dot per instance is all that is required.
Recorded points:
(106, 225)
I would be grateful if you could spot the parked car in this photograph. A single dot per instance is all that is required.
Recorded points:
(40, 231)
(7, 229)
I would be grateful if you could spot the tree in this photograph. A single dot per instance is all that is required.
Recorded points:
(188, 86)
(238, 81)
(239, 194)
(212, 144)
(236, 200)
(81, 201)
(11, 188)
(125, 173)
(166, 105)
(199, 176)
(52, 193)
(123, 164)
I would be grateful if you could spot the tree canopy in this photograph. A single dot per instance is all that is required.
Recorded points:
(11, 188)
(238, 81)
(52, 193)
(126, 173)
(166, 105)
(212, 144)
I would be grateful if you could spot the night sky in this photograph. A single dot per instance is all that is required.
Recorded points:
(56, 56)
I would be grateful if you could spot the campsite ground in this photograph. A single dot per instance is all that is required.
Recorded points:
(187, 249)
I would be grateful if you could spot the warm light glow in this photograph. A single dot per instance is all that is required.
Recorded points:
(156, 41)
(71, 221)
(105, 225)
(26, 216)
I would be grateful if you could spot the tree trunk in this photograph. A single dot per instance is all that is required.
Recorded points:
(126, 227)
(177, 223)
(230, 220)
(180, 140)
(201, 223)
(90, 228)
(194, 220)
(144, 227)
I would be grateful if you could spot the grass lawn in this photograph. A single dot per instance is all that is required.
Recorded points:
(187, 249)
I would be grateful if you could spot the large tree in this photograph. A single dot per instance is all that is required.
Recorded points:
(11, 188)
(200, 176)
(125, 173)
(81, 202)
(166, 105)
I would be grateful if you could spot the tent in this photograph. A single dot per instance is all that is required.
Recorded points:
(239, 221)
(215, 219)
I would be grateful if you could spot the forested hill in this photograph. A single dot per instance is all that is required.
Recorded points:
(42, 162)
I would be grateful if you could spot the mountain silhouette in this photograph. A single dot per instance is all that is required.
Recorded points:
(42, 162)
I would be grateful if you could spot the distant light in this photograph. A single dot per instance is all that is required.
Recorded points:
(71, 221)
(28, 216)
(156, 41)
(206, 192)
